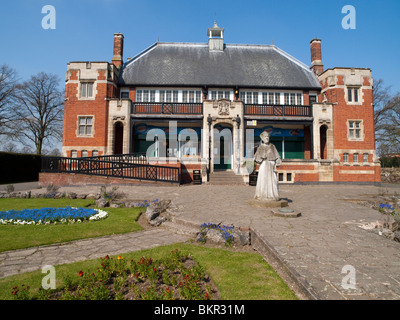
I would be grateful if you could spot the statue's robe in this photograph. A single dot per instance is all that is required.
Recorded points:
(267, 181)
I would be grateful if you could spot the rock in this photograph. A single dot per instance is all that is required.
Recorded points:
(156, 208)
(241, 237)
(58, 195)
(387, 233)
(152, 212)
(201, 236)
(157, 221)
(214, 236)
(102, 203)
(389, 223)
(71, 195)
(93, 196)
(136, 204)
(127, 204)
(81, 196)
(396, 235)
(131, 204)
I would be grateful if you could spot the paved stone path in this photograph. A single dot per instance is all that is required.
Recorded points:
(25, 260)
(316, 245)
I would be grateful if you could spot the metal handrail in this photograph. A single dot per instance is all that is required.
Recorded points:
(117, 169)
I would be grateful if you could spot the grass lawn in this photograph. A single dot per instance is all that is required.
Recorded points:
(238, 275)
(119, 220)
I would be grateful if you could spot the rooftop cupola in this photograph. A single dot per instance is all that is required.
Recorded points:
(216, 38)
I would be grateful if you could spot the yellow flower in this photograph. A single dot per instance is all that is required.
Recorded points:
(119, 258)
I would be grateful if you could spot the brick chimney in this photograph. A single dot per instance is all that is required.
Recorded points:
(118, 49)
(316, 57)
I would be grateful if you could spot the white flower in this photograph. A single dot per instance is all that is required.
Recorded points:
(100, 215)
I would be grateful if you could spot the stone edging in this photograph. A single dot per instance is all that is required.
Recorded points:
(291, 277)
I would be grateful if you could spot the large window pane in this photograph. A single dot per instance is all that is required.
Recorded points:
(90, 90)
(83, 90)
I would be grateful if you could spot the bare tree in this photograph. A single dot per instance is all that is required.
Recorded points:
(10, 147)
(382, 109)
(39, 110)
(387, 118)
(8, 82)
(55, 152)
(390, 127)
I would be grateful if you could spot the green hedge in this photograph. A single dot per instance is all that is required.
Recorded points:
(17, 167)
(389, 162)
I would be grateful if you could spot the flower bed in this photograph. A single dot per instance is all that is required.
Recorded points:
(51, 215)
(173, 277)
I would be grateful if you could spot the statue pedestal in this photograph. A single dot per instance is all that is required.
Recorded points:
(286, 213)
(268, 203)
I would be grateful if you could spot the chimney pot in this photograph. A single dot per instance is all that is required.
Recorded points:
(118, 49)
(316, 56)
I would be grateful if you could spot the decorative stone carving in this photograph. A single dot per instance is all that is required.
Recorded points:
(223, 106)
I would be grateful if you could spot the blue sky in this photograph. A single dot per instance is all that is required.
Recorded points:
(85, 29)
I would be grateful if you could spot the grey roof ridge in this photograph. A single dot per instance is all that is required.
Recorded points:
(282, 52)
(140, 54)
(293, 59)
(150, 48)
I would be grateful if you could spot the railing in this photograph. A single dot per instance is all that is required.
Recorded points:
(167, 108)
(278, 110)
(117, 169)
(138, 158)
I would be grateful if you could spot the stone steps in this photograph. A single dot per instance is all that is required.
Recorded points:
(225, 178)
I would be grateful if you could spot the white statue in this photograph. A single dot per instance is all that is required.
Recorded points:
(269, 159)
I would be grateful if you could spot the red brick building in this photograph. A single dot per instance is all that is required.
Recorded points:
(203, 105)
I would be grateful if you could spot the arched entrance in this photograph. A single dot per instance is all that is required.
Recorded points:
(222, 147)
(118, 137)
(322, 135)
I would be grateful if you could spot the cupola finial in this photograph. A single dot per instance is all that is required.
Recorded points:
(216, 38)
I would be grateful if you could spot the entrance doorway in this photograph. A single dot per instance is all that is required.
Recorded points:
(322, 134)
(118, 138)
(222, 147)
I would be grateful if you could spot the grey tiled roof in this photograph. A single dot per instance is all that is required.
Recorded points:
(192, 64)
